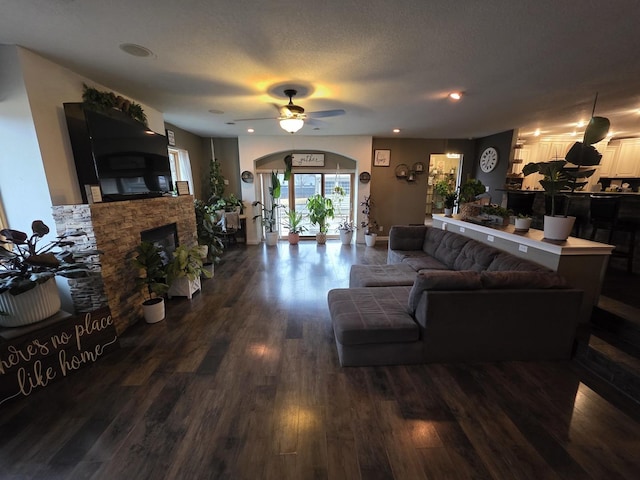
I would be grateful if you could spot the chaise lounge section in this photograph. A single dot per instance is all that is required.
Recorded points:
(443, 297)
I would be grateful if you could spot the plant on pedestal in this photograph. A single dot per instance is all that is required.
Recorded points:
(184, 271)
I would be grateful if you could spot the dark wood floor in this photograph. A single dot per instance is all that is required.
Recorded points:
(243, 383)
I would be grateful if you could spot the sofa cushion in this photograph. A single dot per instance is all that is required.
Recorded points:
(475, 256)
(505, 261)
(372, 315)
(442, 280)
(424, 262)
(444, 246)
(520, 279)
(381, 275)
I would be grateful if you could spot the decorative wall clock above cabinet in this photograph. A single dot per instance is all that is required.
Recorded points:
(488, 159)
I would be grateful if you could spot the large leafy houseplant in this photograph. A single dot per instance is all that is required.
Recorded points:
(269, 215)
(320, 211)
(27, 291)
(24, 264)
(569, 173)
(148, 259)
(209, 233)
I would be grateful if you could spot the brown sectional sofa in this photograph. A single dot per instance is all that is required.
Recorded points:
(443, 297)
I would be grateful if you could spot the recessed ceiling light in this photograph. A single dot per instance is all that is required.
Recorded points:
(396, 130)
(250, 130)
(136, 50)
(580, 124)
(536, 133)
(216, 112)
(455, 95)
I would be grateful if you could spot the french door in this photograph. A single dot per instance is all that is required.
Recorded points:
(336, 186)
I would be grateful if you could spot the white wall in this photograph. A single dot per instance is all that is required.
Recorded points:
(23, 184)
(253, 148)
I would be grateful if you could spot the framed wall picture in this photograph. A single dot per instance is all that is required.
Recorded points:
(183, 187)
(171, 138)
(381, 158)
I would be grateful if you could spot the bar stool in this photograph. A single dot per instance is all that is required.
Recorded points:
(520, 203)
(604, 216)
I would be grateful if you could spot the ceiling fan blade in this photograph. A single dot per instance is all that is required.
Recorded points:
(254, 119)
(326, 113)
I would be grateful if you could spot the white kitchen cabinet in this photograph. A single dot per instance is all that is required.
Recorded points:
(628, 160)
(608, 161)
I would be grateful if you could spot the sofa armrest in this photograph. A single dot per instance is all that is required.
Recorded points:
(407, 237)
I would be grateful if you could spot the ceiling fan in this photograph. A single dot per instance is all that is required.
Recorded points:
(292, 116)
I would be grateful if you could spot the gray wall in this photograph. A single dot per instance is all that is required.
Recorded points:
(503, 142)
(396, 201)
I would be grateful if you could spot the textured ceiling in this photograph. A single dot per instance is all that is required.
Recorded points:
(389, 64)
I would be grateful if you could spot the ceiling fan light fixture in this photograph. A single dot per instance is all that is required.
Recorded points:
(291, 125)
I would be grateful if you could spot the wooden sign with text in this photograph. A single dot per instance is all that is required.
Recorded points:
(36, 359)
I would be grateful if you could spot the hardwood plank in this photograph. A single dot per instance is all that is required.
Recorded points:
(243, 382)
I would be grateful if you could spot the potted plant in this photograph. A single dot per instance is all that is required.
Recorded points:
(320, 210)
(149, 260)
(467, 196)
(369, 224)
(495, 214)
(294, 226)
(346, 230)
(269, 215)
(28, 291)
(558, 178)
(523, 223)
(184, 271)
(448, 194)
(208, 234)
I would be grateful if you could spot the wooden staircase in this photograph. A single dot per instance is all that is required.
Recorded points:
(611, 349)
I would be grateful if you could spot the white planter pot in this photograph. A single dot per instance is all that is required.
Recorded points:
(271, 239)
(346, 236)
(558, 228)
(448, 212)
(183, 287)
(30, 307)
(293, 238)
(321, 238)
(153, 310)
(523, 224)
(370, 239)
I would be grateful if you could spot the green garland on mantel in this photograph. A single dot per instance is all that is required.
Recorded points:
(103, 101)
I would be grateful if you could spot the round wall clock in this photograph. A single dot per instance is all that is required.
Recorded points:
(247, 176)
(488, 159)
(365, 177)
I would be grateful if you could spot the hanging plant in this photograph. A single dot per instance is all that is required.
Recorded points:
(103, 101)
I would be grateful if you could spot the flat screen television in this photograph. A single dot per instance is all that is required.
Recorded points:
(122, 156)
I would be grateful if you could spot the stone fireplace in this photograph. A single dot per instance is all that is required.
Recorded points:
(115, 228)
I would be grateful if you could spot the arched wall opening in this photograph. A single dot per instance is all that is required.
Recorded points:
(264, 154)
